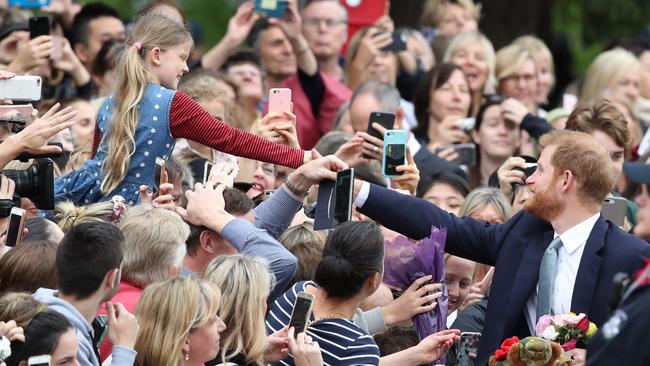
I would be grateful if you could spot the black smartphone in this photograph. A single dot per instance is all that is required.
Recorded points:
(15, 228)
(301, 312)
(386, 120)
(343, 196)
(398, 43)
(39, 26)
(466, 153)
(159, 175)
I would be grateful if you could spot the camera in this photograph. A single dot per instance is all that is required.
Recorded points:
(36, 183)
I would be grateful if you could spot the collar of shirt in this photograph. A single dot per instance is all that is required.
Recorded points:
(577, 236)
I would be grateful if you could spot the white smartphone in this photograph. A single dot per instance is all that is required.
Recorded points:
(467, 124)
(21, 88)
(15, 228)
(279, 100)
(615, 209)
(42, 360)
(301, 312)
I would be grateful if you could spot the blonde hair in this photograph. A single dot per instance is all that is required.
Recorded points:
(245, 283)
(481, 197)
(433, 9)
(151, 31)
(509, 59)
(20, 307)
(154, 242)
(463, 39)
(167, 313)
(609, 67)
(538, 50)
(70, 215)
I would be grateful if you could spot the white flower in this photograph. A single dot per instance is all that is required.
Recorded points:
(549, 333)
(5, 348)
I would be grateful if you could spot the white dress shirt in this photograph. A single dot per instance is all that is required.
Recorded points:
(569, 256)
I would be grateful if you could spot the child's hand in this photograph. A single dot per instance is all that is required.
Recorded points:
(223, 173)
(163, 200)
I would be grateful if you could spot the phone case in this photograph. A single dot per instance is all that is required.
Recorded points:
(324, 216)
(39, 26)
(394, 152)
(21, 88)
(301, 312)
(469, 342)
(614, 209)
(279, 100)
(271, 8)
(29, 3)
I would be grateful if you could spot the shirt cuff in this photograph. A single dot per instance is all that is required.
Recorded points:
(123, 355)
(363, 195)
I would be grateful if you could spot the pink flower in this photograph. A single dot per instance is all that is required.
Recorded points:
(569, 345)
(543, 322)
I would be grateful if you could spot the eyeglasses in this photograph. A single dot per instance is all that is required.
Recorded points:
(316, 22)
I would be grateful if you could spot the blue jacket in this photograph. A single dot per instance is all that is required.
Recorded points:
(515, 249)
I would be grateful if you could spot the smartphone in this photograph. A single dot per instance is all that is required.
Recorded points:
(39, 26)
(15, 228)
(57, 48)
(271, 8)
(159, 175)
(29, 3)
(343, 196)
(16, 112)
(398, 44)
(394, 152)
(21, 88)
(207, 167)
(614, 209)
(42, 360)
(324, 210)
(467, 124)
(386, 120)
(469, 342)
(301, 312)
(100, 328)
(279, 100)
(466, 153)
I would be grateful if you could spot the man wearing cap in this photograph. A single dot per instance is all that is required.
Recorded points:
(623, 338)
(558, 255)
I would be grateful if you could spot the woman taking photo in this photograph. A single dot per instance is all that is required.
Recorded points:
(178, 322)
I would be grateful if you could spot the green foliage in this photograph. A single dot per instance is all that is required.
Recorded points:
(212, 15)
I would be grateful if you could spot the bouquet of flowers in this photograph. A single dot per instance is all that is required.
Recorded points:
(566, 329)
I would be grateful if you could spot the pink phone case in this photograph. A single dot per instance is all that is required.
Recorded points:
(279, 100)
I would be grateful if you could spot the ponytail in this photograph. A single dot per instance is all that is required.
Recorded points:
(70, 215)
(149, 31)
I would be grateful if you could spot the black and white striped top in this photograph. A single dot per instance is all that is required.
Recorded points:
(340, 340)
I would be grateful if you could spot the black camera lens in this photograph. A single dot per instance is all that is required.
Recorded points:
(36, 183)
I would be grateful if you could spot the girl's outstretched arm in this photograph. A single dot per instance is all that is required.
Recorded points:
(190, 121)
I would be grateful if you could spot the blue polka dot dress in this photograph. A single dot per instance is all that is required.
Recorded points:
(152, 139)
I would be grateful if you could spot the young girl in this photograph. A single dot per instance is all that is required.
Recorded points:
(145, 115)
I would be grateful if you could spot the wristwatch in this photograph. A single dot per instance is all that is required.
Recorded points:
(293, 189)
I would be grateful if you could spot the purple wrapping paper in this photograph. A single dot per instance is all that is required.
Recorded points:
(406, 261)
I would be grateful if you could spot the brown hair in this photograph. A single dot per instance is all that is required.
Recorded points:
(29, 266)
(306, 244)
(20, 307)
(587, 160)
(601, 115)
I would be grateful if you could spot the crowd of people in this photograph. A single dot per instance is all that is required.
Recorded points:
(203, 263)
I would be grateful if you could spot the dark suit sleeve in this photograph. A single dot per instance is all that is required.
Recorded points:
(535, 126)
(413, 217)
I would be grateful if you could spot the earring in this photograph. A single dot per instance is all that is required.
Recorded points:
(187, 356)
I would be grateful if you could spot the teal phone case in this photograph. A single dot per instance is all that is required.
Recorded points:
(394, 145)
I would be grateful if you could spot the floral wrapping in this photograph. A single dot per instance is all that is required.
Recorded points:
(406, 261)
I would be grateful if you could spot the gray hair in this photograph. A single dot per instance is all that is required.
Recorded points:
(481, 197)
(344, 12)
(385, 94)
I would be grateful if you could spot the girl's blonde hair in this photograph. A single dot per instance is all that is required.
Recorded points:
(70, 215)
(245, 283)
(167, 313)
(609, 67)
(465, 38)
(151, 31)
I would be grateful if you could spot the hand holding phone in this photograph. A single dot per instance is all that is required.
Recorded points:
(398, 43)
(160, 175)
(15, 227)
(21, 88)
(280, 100)
(39, 26)
(394, 152)
(385, 120)
(615, 210)
(301, 313)
(343, 196)
(271, 8)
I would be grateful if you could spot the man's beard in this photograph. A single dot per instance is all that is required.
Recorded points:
(545, 204)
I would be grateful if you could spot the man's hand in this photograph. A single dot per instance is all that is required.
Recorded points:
(122, 326)
(351, 152)
(418, 298)
(315, 171)
(411, 175)
(205, 206)
(34, 53)
(240, 25)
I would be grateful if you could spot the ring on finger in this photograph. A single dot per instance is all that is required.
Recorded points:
(375, 148)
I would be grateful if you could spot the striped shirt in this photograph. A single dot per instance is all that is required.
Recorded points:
(188, 120)
(340, 340)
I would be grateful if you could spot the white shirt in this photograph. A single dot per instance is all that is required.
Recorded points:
(569, 256)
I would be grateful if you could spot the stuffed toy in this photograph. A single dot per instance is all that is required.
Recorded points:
(530, 351)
